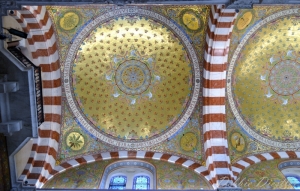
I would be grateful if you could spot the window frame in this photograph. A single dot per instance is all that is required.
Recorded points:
(111, 182)
(129, 168)
(148, 183)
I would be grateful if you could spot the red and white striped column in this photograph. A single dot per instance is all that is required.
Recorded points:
(219, 30)
(41, 44)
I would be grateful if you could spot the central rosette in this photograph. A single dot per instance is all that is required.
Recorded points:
(284, 78)
(133, 77)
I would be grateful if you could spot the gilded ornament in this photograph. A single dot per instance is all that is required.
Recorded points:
(188, 141)
(237, 141)
(191, 20)
(244, 20)
(69, 21)
(75, 141)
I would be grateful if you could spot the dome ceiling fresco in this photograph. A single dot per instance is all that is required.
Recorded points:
(131, 78)
(263, 81)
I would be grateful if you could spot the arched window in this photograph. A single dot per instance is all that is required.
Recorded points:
(139, 175)
(291, 170)
(141, 183)
(117, 183)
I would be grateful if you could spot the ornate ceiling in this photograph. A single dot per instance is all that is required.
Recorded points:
(131, 78)
(263, 80)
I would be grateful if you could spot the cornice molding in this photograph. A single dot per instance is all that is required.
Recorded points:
(6, 5)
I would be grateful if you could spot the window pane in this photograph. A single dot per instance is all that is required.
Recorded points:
(116, 187)
(295, 181)
(118, 183)
(141, 183)
(141, 180)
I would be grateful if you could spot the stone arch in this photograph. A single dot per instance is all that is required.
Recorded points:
(184, 162)
(242, 164)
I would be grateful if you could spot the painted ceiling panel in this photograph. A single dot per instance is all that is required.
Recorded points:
(263, 80)
(133, 79)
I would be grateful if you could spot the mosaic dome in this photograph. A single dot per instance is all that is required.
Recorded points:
(130, 78)
(268, 107)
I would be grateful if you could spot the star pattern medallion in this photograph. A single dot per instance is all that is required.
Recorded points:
(132, 76)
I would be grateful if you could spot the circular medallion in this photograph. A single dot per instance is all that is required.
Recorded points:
(69, 21)
(191, 21)
(237, 141)
(284, 78)
(133, 77)
(128, 83)
(244, 20)
(75, 141)
(188, 141)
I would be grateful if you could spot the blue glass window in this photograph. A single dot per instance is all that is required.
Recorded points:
(118, 183)
(141, 183)
(294, 180)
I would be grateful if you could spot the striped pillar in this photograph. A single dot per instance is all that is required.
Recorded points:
(192, 165)
(220, 25)
(242, 164)
(41, 43)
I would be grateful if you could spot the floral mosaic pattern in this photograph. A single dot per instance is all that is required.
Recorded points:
(87, 176)
(70, 126)
(133, 75)
(263, 175)
(281, 78)
(251, 147)
(172, 176)
(173, 144)
(92, 145)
